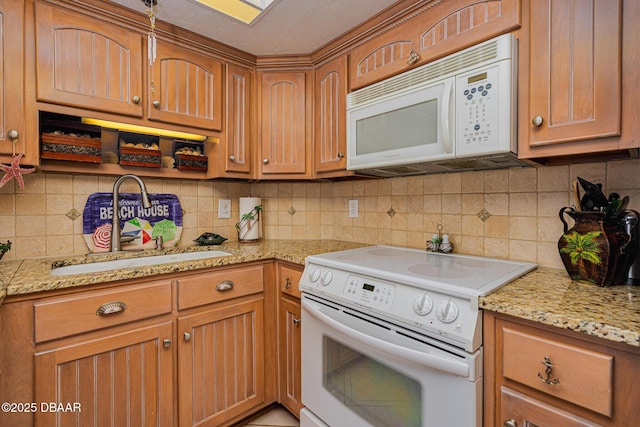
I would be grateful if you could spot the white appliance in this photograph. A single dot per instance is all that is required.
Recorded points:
(456, 113)
(393, 336)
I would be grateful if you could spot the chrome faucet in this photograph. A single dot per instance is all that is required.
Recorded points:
(115, 227)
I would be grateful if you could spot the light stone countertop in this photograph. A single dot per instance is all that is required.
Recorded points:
(548, 296)
(545, 295)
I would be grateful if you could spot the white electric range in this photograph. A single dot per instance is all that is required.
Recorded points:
(382, 318)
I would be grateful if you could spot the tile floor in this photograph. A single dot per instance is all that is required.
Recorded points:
(277, 417)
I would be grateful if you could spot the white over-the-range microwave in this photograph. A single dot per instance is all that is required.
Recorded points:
(456, 113)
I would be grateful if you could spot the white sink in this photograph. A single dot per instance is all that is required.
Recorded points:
(146, 261)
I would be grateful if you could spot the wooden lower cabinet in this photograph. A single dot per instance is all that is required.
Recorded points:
(538, 375)
(290, 337)
(220, 363)
(290, 355)
(123, 379)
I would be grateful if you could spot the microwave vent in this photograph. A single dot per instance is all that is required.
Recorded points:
(441, 68)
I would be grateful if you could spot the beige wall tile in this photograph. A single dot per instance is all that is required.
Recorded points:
(523, 204)
(593, 172)
(497, 226)
(555, 178)
(472, 182)
(523, 180)
(451, 183)
(30, 204)
(523, 228)
(496, 181)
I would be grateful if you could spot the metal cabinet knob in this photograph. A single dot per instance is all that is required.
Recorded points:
(232, 158)
(510, 423)
(13, 134)
(187, 336)
(296, 322)
(341, 155)
(537, 121)
(166, 343)
(265, 161)
(156, 103)
(413, 57)
(136, 99)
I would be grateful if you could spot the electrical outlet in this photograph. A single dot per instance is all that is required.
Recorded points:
(353, 208)
(224, 208)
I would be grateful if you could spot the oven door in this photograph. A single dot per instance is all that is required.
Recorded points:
(361, 371)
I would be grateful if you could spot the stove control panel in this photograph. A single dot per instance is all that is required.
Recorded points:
(450, 318)
(369, 292)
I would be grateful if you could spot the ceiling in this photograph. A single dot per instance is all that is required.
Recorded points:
(286, 27)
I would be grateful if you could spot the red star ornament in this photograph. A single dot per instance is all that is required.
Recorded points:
(14, 171)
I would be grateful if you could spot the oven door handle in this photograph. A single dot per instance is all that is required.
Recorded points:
(424, 359)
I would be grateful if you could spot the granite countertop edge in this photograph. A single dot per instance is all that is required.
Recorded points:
(544, 295)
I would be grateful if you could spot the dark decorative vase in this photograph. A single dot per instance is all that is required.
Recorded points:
(597, 249)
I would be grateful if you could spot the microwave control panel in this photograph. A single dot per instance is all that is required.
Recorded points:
(483, 109)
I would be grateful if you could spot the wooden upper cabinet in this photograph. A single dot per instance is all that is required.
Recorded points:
(330, 138)
(435, 31)
(575, 74)
(13, 126)
(84, 62)
(284, 123)
(185, 88)
(237, 144)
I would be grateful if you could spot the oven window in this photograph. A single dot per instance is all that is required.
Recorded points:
(374, 391)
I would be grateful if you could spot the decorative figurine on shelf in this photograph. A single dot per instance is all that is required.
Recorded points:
(439, 243)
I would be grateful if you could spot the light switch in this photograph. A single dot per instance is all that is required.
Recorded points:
(353, 208)
(224, 208)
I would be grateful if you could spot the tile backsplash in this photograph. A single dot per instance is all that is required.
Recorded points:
(503, 213)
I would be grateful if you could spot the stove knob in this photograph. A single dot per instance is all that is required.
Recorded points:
(447, 311)
(314, 275)
(327, 277)
(423, 304)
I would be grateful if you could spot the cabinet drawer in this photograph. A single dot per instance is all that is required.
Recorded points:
(583, 377)
(89, 311)
(289, 280)
(215, 286)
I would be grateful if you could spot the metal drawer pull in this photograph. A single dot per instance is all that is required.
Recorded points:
(166, 343)
(287, 283)
(547, 370)
(111, 308)
(296, 322)
(510, 423)
(225, 285)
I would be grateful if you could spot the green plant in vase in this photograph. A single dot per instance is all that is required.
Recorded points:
(4, 247)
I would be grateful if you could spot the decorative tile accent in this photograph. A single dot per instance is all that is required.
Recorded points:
(484, 214)
(391, 212)
(292, 211)
(73, 214)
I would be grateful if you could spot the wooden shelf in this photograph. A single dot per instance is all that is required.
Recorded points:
(115, 169)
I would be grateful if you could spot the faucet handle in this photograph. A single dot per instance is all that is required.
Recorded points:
(159, 242)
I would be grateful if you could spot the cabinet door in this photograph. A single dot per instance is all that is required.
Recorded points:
(290, 355)
(283, 123)
(238, 142)
(220, 363)
(330, 139)
(575, 71)
(185, 88)
(12, 119)
(433, 31)
(87, 63)
(521, 410)
(123, 379)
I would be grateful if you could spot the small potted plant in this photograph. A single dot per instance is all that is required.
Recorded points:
(4, 247)
(247, 222)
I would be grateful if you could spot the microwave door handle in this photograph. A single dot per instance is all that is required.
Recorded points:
(424, 359)
(446, 122)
